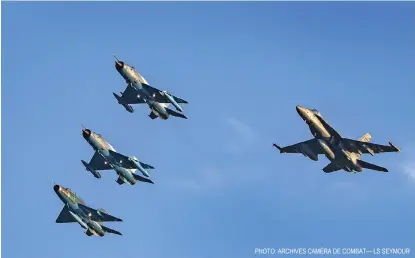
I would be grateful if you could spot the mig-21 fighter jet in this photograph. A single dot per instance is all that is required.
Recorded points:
(139, 91)
(342, 152)
(107, 158)
(75, 210)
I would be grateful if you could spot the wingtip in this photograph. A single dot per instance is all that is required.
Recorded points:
(393, 146)
(277, 146)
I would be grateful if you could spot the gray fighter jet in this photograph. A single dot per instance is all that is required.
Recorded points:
(75, 210)
(342, 152)
(138, 91)
(107, 158)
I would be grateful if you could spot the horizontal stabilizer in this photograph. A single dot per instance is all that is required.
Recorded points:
(109, 230)
(331, 168)
(120, 181)
(367, 165)
(175, 113)
(152, 115)
(142, 179)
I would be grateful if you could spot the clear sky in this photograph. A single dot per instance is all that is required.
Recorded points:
(220, 189)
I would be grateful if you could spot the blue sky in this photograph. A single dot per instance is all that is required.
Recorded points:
(220, 189)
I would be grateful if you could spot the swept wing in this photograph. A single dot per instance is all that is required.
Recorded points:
(130, 96)
(97, 162)
(312, 144)
(159, 97)
(98, 216)
(65, 216)
(126, 162)
(367, 147)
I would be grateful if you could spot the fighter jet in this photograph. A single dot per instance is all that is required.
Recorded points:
(342, 152)
(139, 91)
(106, 158)
(75, 210)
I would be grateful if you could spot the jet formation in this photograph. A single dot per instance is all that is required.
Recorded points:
(105, 157)
(343, 153)
(76, 210)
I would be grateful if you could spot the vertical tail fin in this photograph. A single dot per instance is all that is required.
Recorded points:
(366, 137)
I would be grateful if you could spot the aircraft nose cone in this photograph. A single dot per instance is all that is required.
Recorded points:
(56, 188)
(86, 133)
(119, 65)
(301, 110)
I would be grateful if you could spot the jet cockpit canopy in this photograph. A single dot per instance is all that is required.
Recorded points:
(316, 112)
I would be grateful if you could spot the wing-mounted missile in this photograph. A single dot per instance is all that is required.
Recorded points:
(171, 100)
(394, 147)
(101, 213)
(369, 150)
(127, 107)
(93, 172)
(79, 220)
(138, 166)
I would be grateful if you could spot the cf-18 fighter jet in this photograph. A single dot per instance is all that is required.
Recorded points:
(106, 158)
(342, 152)
(75, 210)
(138, 91)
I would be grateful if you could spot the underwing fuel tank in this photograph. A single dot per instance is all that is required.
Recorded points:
(127, 107)
(171, 100)
(306, 151)
(79, 220)
(138, 166)
(93, 172)
(326, 149)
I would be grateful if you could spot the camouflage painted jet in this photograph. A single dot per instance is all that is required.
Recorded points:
(106, 158)
(342, 152)
(138, 91)
(75, 210)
